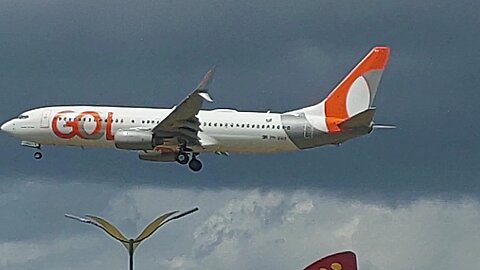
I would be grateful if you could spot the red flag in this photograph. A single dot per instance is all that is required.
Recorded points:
(339, 261)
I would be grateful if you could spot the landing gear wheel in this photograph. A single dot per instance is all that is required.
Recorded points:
(195, 165)
(183, 158)
(37, 155)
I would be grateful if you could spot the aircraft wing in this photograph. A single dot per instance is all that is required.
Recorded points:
(182, 124)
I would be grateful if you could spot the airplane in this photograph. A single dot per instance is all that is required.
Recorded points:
(346, 260)
(181, 133)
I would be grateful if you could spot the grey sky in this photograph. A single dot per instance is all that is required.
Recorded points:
(271, 55)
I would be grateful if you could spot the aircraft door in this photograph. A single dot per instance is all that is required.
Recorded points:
(45, 120)
(307, 130)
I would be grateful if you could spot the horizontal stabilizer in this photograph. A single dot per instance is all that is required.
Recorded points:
(363, 119)
(380, 126)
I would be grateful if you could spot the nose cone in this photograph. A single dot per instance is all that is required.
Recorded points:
(7, 127)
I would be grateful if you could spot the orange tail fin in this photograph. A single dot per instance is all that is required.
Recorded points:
(339, 261)
(354, 94)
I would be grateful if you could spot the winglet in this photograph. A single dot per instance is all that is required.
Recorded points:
(339, 261)
(206, 80)
(202, 87)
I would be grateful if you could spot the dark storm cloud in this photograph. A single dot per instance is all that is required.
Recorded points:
(271, 55)
(276, 55)
(33, 208)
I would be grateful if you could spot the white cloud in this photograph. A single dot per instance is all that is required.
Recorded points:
(20, 253)
(263, 230)
(285, 231)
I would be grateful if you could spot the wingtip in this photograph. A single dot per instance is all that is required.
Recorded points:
(207, 78)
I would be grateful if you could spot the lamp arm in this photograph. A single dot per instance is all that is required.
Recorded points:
(183, 214)
(107, 232)
(140, 239)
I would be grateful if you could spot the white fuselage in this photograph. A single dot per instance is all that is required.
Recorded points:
(181, 133)
(95, 126)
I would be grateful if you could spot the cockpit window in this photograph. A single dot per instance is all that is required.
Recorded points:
(23, 116)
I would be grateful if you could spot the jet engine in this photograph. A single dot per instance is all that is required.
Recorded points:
(135, 140)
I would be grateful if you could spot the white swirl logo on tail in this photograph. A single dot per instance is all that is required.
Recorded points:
(358, 97)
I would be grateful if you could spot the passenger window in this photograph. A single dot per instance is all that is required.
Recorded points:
(133, 121)
(143, 121)
(268, 126)
(278, 127)
(288, 127)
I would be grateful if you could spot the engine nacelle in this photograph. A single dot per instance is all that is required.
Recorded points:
(134, 140)
(158, 156)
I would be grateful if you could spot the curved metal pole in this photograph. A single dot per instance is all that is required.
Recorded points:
(131, 250)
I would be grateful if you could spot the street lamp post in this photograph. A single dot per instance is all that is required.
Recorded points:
(130, 244)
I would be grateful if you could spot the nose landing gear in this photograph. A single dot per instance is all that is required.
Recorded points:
(37, 155)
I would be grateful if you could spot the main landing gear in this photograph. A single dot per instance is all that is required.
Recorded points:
(193, 163)
(182, 158)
